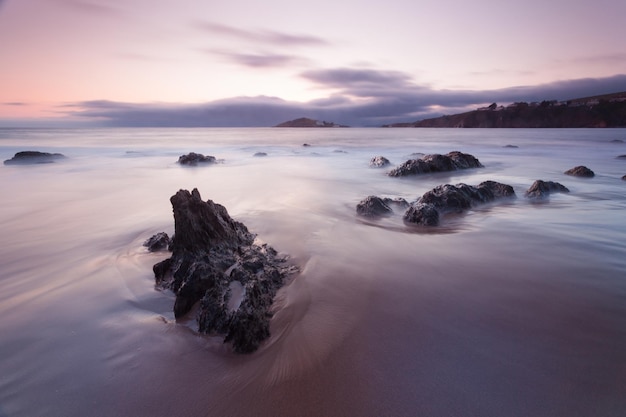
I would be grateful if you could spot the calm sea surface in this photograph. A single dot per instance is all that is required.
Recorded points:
(512, 309)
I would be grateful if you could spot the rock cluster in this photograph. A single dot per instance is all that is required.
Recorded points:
(193, 159)
(33, 157)
(436, 163)
(216, 264)
(426, 211)
(541, 189)
(580, 171)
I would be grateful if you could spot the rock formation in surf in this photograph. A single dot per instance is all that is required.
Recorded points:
(34, 157)
(373, 206)
(443, 199)
(541, 189)
(193, 159)
(160, 241)
(580, 171)
(436, 163)
(379, 162)
(216, 265)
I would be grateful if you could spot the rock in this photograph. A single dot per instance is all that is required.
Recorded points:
(541, 189)
(260, 154)
(158, 242)
(373, 206)
(511, 146)
(427, 210)
(580, 171)
(436, 163)
(34, 157)
(379, 162)
(215, 261)
(306, 145)
(617, 141)
(193, 159)
(624, 177)
(621, 157)
(422, 214)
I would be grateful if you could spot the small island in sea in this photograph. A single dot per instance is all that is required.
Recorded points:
(306, 122)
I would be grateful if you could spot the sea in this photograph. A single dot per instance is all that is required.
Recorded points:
(514, 308)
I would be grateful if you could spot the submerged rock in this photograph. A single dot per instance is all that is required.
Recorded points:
(511, 146)
(379, 162)
(580, 171)
(213, 257)
(427, 210)
(193, 159)
(621, 157)
(260, 154)
(158, 242)
(34, 157)
(541, 189)
(624, 177)
(436, 163)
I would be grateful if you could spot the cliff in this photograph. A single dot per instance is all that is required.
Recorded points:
(599, 111)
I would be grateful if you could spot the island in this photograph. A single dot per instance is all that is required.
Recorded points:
(306, 122)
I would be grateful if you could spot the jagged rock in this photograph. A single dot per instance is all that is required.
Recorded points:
(624, 177)
(373, 206)
(158, 242)
(34, 157)
(214, 256)
(193, 159)
(379, 162)
(580, 171)
(541, 189)
(428, 209)
(260, 154)
(436, 163)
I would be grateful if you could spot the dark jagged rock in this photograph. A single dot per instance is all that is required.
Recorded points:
(215, 261)
(624, 177)
(436, 163)
(580, 171)
(158, 242)
(541, 189)
(379, 162)
(373, 206)
(194, 159)
(429, 208)
(260, 154)
(34, 157)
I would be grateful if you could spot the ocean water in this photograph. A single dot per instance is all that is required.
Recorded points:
(511, 309)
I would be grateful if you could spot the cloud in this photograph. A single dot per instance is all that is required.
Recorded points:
(91, 7)
(260, 60)
(365, 98)
(261, 36)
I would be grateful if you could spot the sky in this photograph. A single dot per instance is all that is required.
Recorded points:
(259, 63)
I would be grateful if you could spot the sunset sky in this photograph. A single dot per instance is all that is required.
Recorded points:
(258, 63)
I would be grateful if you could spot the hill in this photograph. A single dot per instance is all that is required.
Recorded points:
(607, 110)
(305, 122)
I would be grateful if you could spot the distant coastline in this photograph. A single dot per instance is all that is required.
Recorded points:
(607, 110)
